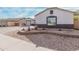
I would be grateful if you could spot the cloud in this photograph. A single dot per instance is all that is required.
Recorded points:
(10, 12)
(21, 15)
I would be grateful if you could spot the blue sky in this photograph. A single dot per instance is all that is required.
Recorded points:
(16, 12)
(10, 12)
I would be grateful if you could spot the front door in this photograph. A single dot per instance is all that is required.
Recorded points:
(51, 21)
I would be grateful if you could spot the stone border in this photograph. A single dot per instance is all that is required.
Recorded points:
(46, 32)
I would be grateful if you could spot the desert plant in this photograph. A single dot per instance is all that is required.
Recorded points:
(23, 29)
(43, 28)
(59, 29)
(28, 28)
(36, 28)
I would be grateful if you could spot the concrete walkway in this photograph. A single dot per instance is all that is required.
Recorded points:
(12, 44)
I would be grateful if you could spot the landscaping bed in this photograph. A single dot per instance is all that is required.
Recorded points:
(60, 33)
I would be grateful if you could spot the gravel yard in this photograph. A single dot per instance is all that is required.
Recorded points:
(54, 42)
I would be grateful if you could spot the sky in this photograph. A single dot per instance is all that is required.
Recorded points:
(19, 12)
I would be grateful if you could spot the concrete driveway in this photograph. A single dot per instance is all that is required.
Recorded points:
(8, 43)
(12, 44)
(9, 29)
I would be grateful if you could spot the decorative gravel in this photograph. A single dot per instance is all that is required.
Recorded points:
(55, 42)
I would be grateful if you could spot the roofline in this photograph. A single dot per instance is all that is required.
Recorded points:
(54, 8)
(15, 18)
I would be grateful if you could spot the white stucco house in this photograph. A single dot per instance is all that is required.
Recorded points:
(55, 17)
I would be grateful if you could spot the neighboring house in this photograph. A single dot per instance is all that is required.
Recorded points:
(26, 21)
(15, 22)
(9, 22)
(55, 17)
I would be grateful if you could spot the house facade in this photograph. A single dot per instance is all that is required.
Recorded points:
(55, 17)
(26, 21)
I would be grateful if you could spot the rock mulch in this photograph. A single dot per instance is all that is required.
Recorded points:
(59, 43)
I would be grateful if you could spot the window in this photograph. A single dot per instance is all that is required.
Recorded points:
(51, 11)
